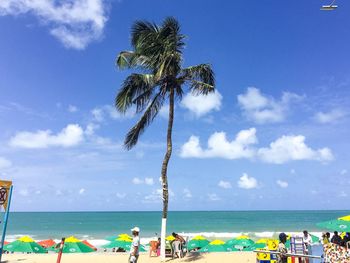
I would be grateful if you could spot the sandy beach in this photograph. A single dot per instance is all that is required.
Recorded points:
(244, 257)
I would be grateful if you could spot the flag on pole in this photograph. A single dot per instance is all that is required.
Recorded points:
(4, 193)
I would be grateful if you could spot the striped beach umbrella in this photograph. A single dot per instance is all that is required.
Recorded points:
(25, 244)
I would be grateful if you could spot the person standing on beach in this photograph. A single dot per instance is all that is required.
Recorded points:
(135, 245)
(307, 240)
(336, 239)
(281, 257)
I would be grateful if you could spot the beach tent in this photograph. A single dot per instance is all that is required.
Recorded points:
(26, 245)
(89, 245)
(47, 243)
(217, 246)
(123, 243)
(74, 245)
(197, 242)
(341, 224)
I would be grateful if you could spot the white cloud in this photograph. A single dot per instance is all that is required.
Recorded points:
(24, 192)
(284, 149)
(156, 196)
(4, 163)
(292, 171)
(219, 146)
(69, 136)
(290, 148)
(224, 184)
(213, 197)
(247, 182)
(74, 23)
(120, 195)
(201, 105)
(149, 181)
(342, 172)
(99, 113)
(330, 117)
(187, 193)
(91, 128)
(82, 191)
(137, 180)
(263, 109)
(282, 184)
(72, 108)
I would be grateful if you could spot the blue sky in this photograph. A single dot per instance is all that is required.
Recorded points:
(274, 136)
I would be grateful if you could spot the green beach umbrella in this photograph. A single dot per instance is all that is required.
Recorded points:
(123, 243)
(216, 246)
(197, 242)
(246, 242)
(123, 236)
(74, 245)
(25, 244)
(255, 247)
(342, 224)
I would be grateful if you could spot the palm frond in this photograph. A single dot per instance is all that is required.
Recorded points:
(133, 86)
(146, 119)
(200, 78)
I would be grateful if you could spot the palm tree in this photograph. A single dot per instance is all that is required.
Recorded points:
(157, 55)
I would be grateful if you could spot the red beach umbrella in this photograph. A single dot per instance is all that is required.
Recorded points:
(89, 245)
(47, 243)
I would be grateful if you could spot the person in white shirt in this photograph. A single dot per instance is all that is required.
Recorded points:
(307, 240)
(135, 245)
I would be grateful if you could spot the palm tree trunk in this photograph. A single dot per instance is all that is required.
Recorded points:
(165, 170)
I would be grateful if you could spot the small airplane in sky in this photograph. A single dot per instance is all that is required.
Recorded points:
(330, 7)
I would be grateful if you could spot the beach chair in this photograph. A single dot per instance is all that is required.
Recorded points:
(168, 249)
(153, 247)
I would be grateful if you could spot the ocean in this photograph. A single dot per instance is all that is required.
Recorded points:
(95, 226)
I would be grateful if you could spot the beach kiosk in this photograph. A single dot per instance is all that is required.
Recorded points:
(263, 257)
(5, 201)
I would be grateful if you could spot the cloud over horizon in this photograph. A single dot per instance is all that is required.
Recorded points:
(282, 150)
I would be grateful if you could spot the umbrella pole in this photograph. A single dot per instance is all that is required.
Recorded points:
(60, 251)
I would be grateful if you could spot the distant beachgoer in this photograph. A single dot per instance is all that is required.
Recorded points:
(346, 240)
(135, 245)
(282, 258)
(325, 238)
(336, 239)
(307, 240)
(177, 245)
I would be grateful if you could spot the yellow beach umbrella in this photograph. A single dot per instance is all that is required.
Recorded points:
(199, 238)
(170, 238)
(243, 237)
(262, 241)
(125, 236)
(345, 218)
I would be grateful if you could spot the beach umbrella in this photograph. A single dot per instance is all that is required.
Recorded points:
(342, 224)
(315, 239)
(243, 237)
(47, 243)
(240, 242)
(124, 236)
(25, 244)
(216, 246)
(89, 245)
(123, 243)
(197, 242)
(262, 241)
(74, 245)
(170, 238)
(255, 246)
